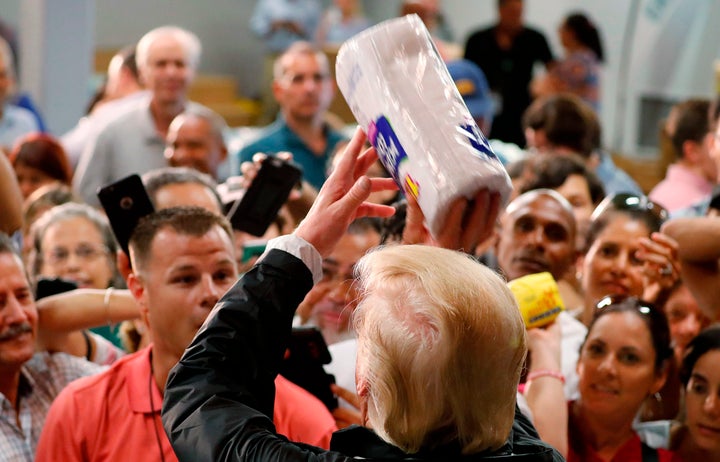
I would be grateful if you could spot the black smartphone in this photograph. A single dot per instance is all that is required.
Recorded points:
(258, 207)
(45, 287)
(303, 364)
(125, 203)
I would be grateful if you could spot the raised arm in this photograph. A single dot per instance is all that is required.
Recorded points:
(219, 398)
(63, 318)
(11, 199)
(544, 389)
(698, 242)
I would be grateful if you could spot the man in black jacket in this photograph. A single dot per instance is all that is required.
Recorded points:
(219, 397)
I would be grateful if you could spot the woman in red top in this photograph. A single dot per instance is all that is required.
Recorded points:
(623, 361)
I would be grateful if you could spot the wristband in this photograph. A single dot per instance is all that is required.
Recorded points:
(546, 373)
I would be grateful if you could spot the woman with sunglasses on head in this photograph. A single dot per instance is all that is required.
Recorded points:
(626, 254)
(623, 360)
(698, 438)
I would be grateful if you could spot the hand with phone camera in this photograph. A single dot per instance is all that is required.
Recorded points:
(267, 184)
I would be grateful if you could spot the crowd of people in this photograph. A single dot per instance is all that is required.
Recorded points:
(174, 348)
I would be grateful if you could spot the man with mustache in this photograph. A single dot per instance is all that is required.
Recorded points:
(29, 381)
(303, 88)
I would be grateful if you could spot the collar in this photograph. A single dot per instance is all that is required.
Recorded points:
(138, 376)
(331, 136)
(146, 123)
(362, 442)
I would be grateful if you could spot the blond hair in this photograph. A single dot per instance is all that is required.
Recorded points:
(440, 347)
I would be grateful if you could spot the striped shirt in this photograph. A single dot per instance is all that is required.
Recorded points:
(41, 380)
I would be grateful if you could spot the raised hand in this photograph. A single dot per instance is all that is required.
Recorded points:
(342, 198)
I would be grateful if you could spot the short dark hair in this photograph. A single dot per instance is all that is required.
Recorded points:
(585, 32)
(190, 221)
(652, 221)
(705, 341)
(128, 61)
(691, 123)
(566, 121)
(154, 180)
(551, 171)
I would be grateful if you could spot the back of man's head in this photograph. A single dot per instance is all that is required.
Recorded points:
(189, 221)
(128, 61)
(440, 347)
(565, 121)
(688, 121)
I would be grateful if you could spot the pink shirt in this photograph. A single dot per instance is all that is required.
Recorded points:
(681, 188)
(116, 416)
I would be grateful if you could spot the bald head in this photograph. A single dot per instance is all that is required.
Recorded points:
(537, 234)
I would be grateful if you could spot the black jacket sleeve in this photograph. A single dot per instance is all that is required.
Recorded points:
(218, 400)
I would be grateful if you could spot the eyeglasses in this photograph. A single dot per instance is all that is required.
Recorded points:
(85, 252)
(626, 202)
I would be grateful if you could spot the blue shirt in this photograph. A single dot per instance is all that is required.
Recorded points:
(306, 13)
(15, 123)
(279, 137)
(614, 179)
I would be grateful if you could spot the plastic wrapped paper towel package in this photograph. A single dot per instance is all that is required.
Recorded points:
(402, 95)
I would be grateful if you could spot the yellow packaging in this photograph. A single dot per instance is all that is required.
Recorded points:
(538, 297)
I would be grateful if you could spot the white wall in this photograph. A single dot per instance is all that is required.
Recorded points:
(675, 62)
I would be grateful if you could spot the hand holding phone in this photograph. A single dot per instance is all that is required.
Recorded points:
(269, 190)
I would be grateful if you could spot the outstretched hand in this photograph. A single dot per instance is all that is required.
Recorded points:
(342, 198)
(466, 225)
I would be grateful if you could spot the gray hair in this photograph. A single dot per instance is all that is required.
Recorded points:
(188, 40)
(65, 212)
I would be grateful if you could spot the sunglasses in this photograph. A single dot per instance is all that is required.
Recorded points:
(640, 305)
(630, 202)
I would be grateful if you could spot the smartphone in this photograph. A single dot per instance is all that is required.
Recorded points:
(125, 203)
(46, 287)
(303, 364)
(258, 207)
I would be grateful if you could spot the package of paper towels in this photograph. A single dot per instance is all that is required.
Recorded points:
(401, 93)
